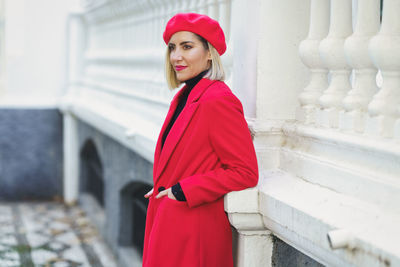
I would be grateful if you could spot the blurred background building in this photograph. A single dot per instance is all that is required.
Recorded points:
(83, 96)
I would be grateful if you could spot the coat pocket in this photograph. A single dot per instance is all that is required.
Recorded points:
(175, 233)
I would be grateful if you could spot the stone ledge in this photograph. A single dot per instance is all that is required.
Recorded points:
(352, 164)
(302, 214)
(127, 128)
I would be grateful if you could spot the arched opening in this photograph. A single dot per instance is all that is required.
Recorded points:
(133, 215)
(92, 180)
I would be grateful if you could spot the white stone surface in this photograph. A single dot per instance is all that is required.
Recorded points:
(106, 258)
(309, 54)
(356, 50)
(302, 214)
(36, 239)
(384, 48)
(76, 253)
(8, 240)
(68, 238)
(54, 239)
(71, 159)
(41, 256)
(332, 53)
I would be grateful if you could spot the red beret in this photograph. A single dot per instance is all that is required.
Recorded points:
(202, 25)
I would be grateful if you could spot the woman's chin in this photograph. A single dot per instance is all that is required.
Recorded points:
(181, 78)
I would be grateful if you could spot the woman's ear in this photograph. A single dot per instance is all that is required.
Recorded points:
(209, 55)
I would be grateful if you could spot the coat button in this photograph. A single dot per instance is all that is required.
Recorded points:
(161, 188)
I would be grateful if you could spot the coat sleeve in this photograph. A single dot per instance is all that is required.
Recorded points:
(230, 138)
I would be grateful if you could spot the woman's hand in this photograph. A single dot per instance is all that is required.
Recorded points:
(149, 194)
(167, 192)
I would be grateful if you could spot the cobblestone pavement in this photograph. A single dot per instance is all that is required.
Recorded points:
(48, 234)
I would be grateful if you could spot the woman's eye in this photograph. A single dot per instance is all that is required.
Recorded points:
(187, 47)
(171, 47)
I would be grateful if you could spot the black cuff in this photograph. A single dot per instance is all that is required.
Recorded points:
(178, 193)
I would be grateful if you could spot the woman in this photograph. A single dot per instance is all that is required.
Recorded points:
(204, 151)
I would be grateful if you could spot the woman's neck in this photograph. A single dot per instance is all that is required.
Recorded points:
(193, 81)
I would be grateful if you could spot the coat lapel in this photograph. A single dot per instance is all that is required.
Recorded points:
(172, 107)
(175, 134)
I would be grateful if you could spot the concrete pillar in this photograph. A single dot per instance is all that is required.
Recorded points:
(76, 38)
(254, 249)
(71, 159)
(254, 245)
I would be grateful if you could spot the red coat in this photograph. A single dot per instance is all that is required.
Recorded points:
(210, 152)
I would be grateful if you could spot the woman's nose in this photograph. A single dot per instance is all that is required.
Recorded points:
(176, 55)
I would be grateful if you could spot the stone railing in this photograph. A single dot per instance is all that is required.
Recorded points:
(125, 50)
(332, 47)
(343, 103)
(343, 148)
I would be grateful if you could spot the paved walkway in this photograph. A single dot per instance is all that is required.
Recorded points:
(49, 234)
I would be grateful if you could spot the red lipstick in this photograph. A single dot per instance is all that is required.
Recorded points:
(180, 67)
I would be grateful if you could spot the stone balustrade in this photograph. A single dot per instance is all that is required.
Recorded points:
(309, 53)
(333, 57)
(125, 50)
(353, 105)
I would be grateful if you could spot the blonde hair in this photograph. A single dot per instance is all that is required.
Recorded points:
(216, 71)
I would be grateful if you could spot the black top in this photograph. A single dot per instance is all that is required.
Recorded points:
(182, 102)
(177, 189)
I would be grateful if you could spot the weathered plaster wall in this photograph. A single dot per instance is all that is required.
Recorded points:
(30, 154)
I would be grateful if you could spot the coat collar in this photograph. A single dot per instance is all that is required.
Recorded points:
(161, 157)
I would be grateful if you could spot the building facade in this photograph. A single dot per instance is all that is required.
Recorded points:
(320, 84)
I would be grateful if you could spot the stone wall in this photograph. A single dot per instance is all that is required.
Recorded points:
(30, 154)
(124, 174)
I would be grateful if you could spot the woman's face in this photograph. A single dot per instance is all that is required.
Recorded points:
(188, 55)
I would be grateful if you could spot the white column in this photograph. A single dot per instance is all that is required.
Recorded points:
(212, 9)
(385, 53)
(71, 159)
(254, 245)
(254, 249)
(192, 5)
(224, 19)
(71, 144)
(202, 6)
(309, 54)
(2, 50)
(332, 53)
(356, 51)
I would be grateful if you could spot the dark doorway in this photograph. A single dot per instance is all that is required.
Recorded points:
(92, 180)
(133, 215)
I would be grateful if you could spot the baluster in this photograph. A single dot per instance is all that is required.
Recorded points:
(309, 54)
(178, 7)
(160, 24)
(397, 125)
(202, 6)
(356, 51)
(224, 18)
(171, 9)
(192, 5)
(185, 6)
(152, 15)
(385, 52)
(332, 54)
(224, 11)
(212, 9)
